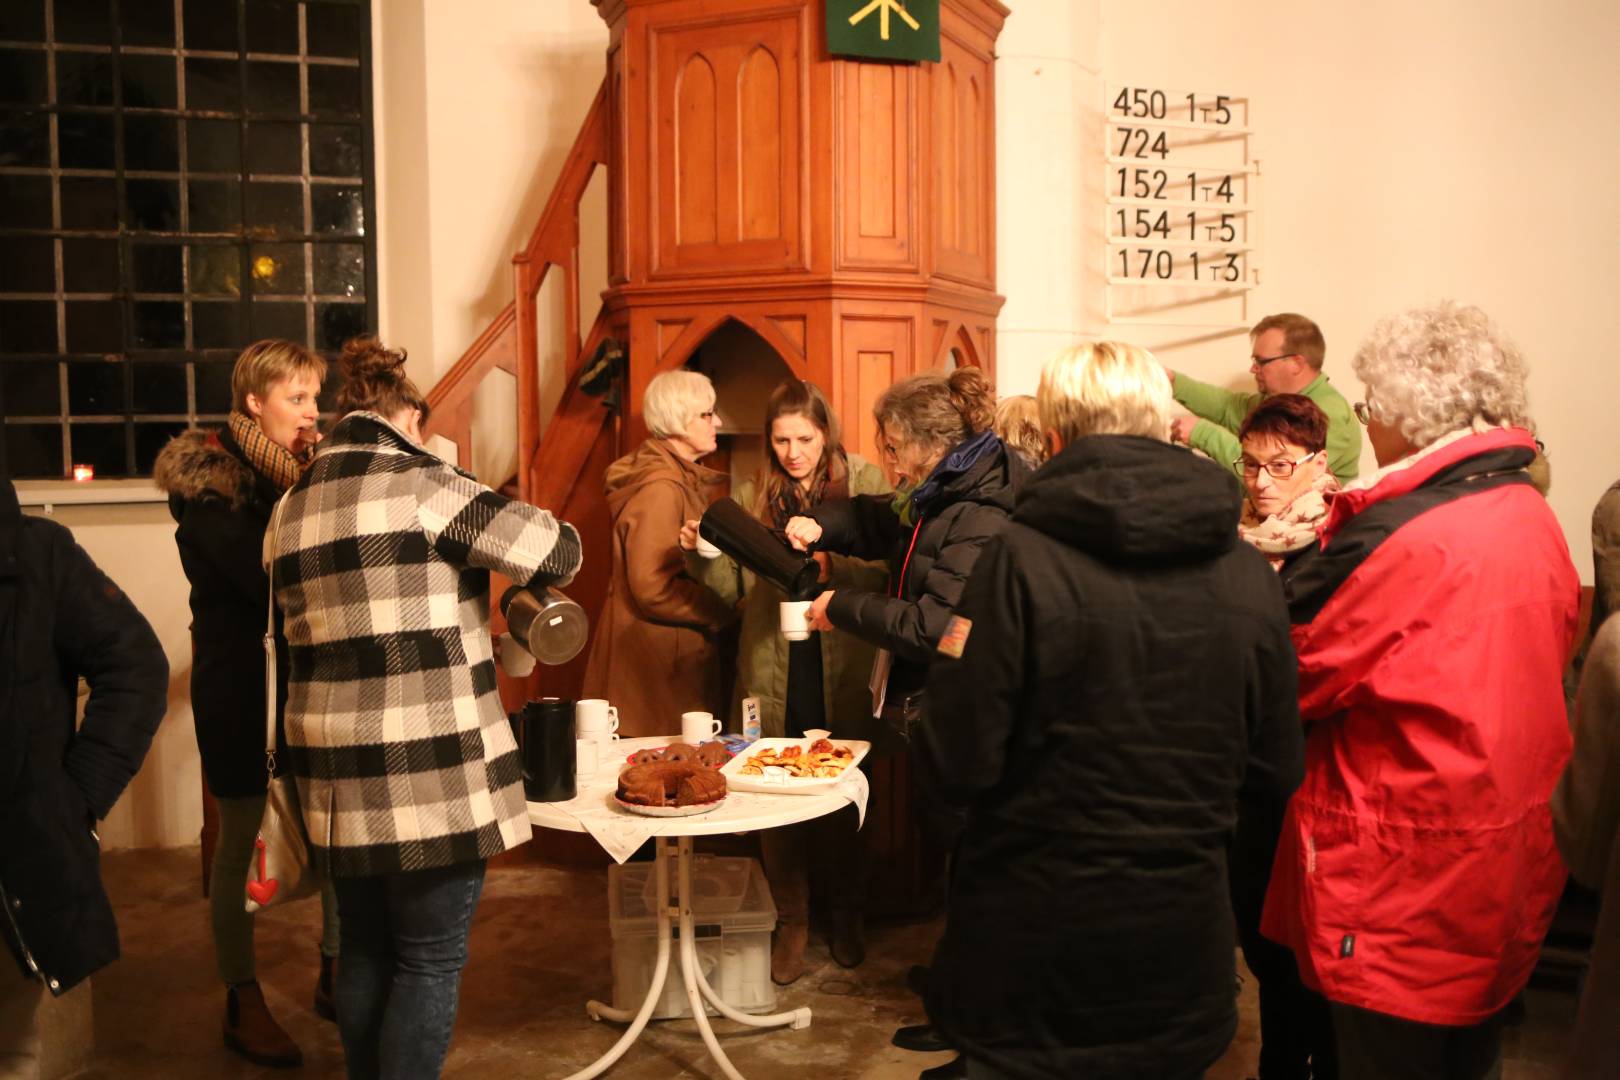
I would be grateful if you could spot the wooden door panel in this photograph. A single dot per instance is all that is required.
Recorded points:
(728, 139)
(877, 167)
(963, 158)
(877, 351)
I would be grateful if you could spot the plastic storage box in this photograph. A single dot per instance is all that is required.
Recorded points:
(733, 916)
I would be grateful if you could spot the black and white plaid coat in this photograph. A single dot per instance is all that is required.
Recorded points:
(395, 731)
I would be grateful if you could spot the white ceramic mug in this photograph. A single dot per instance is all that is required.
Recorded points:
(698, 727)
(706, 549)
(587, 756)
(595, 719)
(795, 619)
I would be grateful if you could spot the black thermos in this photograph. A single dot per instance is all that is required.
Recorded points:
(548, 750)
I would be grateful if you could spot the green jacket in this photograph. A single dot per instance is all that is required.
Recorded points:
(1221, 412)
(762, 652)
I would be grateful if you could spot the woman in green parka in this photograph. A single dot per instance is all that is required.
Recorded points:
(821, 682)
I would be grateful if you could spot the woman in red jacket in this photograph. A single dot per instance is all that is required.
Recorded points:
(1417, 871)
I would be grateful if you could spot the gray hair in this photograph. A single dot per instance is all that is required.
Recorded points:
(1434, 370)
(674, 399)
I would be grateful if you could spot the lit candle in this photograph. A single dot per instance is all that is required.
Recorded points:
(84, 472)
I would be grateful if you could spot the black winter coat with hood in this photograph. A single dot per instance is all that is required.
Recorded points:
(1125, 682)
(221, 506)
(62, 618)
(929, 562)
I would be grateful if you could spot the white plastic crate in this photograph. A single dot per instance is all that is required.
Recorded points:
(733, 916)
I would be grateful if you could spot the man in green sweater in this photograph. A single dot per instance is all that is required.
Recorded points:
(1286, 358)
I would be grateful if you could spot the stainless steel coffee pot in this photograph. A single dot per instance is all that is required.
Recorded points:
(550, 626)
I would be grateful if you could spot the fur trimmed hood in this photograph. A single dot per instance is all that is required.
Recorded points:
(195, 464)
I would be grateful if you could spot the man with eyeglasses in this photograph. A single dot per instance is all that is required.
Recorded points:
(1286, 353)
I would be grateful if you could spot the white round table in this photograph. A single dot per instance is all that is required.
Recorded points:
(742, 812)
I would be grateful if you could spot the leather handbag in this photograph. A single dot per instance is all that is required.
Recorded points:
(282, 869)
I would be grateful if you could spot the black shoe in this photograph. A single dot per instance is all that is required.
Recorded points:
(917, 979)
(954, 1069)
(921, 1038)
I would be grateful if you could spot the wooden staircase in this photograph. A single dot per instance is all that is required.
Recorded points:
(581, 438)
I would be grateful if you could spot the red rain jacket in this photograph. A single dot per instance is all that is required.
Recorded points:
(1417, 874)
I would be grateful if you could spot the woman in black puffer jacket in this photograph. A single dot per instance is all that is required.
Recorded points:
(956, 484)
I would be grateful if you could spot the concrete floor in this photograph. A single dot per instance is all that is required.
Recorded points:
(540, 947)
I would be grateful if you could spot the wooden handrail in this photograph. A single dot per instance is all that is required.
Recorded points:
(511, 342)
(558, 460)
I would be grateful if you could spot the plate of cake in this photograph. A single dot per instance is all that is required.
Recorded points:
(670, 788)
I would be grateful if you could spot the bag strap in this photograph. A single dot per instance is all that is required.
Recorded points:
(270, 642)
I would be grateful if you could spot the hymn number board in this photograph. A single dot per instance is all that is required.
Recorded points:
(1180, 186)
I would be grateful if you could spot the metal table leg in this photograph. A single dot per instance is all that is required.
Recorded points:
(638, 1020)
(698, 989)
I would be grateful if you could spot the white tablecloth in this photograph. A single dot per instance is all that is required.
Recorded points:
(620, 832)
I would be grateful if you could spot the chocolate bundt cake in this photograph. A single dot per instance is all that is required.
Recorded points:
(670, 783)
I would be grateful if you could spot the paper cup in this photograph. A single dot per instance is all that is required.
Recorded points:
(795, 621)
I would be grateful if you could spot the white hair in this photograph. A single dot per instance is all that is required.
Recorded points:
(674, 399)
(1104, 388)
(1434, 370)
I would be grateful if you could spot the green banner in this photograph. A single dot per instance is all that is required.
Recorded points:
(884, 29)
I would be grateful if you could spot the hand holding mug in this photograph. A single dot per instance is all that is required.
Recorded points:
(689, 536)
(817, 615)
(802, 532)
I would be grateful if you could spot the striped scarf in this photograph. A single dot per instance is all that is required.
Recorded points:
(276, 462)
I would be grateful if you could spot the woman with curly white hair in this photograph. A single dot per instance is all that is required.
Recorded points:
(1417, 871)
(654, 654)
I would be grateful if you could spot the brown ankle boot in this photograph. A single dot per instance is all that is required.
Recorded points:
(251, 1031)
(787, 955)
(325, 1005)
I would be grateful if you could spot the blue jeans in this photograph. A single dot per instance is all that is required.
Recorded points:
(404, 945)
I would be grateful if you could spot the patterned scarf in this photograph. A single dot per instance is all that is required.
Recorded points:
(276, 462)
(911, 502)
(1295, 526)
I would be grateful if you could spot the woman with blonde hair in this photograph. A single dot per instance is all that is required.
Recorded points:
(817, 683)
(654, 653)
(1018, 423)
(1116, 683)
(221, 486)
(407, 770)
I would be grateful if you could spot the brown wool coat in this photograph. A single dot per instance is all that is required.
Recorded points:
(654, 654)
(1586, 820)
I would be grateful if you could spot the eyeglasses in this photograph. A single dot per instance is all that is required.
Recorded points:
(1281, 469)
(1262, 361)
(1363, 412)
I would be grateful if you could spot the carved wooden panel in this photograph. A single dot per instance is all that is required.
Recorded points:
(876, 351)
(877, 165)
(963, 158)
(728, 139)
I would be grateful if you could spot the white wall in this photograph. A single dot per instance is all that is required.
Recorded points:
(1411, 152)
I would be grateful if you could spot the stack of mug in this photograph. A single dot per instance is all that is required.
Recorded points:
(596, 729)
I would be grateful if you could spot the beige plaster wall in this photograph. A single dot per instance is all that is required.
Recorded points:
(1410, 152)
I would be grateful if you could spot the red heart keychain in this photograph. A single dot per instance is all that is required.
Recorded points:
(261, 892)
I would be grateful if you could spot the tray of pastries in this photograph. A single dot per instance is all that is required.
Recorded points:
(793, 766)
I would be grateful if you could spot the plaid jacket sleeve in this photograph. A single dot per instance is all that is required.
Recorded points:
(471, 526)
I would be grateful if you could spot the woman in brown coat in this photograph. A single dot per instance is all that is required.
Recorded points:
(654, 655)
